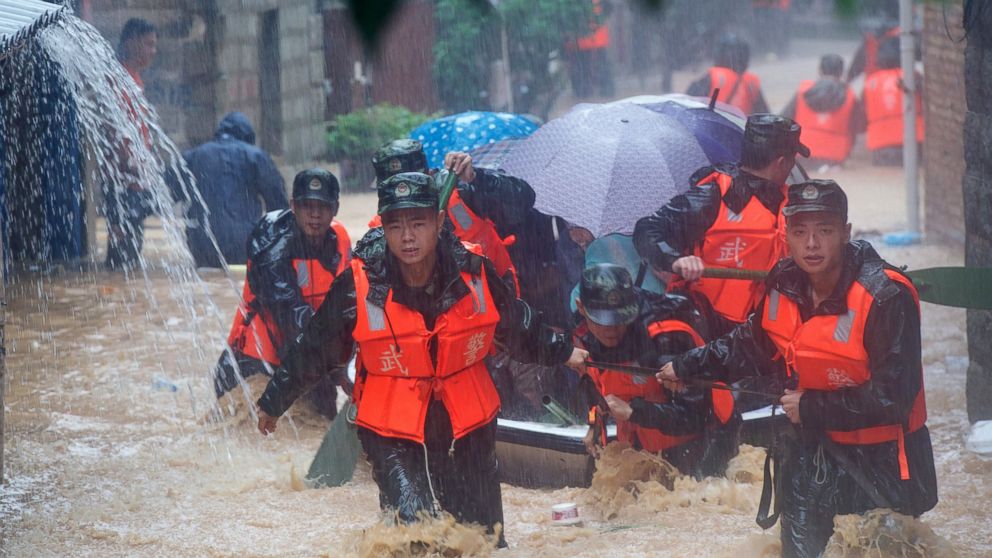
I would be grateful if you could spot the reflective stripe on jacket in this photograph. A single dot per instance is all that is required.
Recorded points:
(751, 239)
(828, 353)
(407, 365)
(254, 332)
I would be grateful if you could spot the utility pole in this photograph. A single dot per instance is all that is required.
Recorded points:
(907, 48)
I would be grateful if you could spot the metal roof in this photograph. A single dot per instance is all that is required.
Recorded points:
(21, 18)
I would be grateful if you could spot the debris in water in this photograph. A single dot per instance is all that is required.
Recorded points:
(629, 484)
(442, 536)
(885, 534)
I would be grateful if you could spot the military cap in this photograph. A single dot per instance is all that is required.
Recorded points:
(607, 294)
(316, 184)
(777, 134)
(407, 190)
(816, 195)
(402, 155)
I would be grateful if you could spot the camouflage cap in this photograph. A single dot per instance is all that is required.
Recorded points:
(407, 190)
(402, 155)
(316, 184)
(608, 296)
(816, 195)
(777, 134)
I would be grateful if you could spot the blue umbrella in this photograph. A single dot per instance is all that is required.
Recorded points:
(719, 131)
(468, 130)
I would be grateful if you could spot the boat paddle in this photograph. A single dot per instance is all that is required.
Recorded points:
(960, 287)
(335, 461)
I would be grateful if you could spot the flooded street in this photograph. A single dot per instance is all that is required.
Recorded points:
(102, 460)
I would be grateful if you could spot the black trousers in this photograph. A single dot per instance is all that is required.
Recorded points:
(126, 212)
(463, 475)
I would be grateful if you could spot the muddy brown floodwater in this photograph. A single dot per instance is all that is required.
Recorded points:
(101, 462)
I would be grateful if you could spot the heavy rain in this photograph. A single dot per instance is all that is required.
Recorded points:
(653, 318)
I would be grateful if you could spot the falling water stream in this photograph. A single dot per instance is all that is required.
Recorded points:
(109, 452)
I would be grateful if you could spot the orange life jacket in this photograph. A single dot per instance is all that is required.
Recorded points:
(883, 108)
(829, 354)
(827, 134)
(628, 386)
(400, 377)
(742, 96)
(254, 332)
(469, 227)
(871, 48)
(752, 239)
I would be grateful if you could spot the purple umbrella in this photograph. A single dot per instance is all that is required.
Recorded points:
(602, 167)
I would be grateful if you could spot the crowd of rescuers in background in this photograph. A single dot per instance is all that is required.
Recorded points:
(499, 333)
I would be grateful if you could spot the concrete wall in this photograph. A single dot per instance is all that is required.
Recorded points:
(943, 152)
(978, 201)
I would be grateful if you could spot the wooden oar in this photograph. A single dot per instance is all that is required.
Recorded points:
(961, 287)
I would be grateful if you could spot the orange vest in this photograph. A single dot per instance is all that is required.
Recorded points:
(828, 353)
(871, 48)
(742, 96)
(401, 378)
(254, 332)
(828, 134)
(628, 386)
(469, 227)
(883, 108)
(753, 239)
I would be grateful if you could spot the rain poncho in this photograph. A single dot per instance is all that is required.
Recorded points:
(234, 178)
(816, 486)
(464, 471)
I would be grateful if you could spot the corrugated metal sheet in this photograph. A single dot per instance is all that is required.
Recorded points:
(20, 18)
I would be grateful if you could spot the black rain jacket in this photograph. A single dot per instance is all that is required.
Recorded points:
(327, 341)
(679, 226)
(274, 243)
(892, 341)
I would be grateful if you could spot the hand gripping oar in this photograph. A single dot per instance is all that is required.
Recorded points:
(698, 382)
(960, 287)
(336, 459)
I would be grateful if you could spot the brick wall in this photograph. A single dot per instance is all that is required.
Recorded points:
(943, 152)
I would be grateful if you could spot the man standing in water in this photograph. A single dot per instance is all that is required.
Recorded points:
(425, 310)
(294, 257)
(730, 217)
(126, 208)
(696, 430)
(847, 326)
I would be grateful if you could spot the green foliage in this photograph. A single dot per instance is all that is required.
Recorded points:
(354, 137)
(468, 40)
(357, 134)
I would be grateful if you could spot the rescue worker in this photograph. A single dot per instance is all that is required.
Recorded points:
(484, 203)
(127, 207)
(425, 310)
(829, 113)
(294, 257)
(883, 99)
(880, 35)
(589, 66)
(842, 327)
(695, 430)
(738, 87)
(730, 217)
